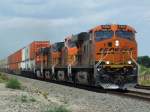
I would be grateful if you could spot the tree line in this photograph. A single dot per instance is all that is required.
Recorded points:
(144, 60)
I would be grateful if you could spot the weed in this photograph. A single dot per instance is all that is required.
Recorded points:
(13, 83)
(3, 78)
(145, 82)
(24, 98)
(45, 95)
(32, 99)
(58, 109)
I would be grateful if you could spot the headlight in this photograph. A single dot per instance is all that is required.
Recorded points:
(129, 62)
(98, 69)
(107, 62)
(117, 43)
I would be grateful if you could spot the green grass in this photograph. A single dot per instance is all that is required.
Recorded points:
(27, 99)
(144, 70)
(58, 109)
(13, 83)
(145, 82)
(3, 78)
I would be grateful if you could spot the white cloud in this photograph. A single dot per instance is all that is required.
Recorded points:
(27, 20)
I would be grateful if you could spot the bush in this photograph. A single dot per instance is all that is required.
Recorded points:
(145, 82)
(144, 70)
(58, 109)
(3, 78)
(144, 60)
(27, 99)
(13, 83)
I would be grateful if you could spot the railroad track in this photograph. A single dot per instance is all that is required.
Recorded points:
(123, 93)
(131, 94)
(142, 87)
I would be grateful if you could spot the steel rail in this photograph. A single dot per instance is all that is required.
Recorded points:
(142, 87)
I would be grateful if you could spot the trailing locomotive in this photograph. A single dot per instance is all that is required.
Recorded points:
(105, 56)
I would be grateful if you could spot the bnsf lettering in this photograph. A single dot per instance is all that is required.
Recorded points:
(102, 50)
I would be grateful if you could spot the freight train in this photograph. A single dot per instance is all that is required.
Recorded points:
(104, 56)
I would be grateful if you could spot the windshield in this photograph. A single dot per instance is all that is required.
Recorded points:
(125, 34)
(100, 35)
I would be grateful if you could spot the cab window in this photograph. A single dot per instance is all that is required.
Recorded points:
(125, 34)
(101, 35)
(71, 44)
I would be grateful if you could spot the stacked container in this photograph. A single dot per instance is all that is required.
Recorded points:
(14, 60)
(29, 54)
(24, 59)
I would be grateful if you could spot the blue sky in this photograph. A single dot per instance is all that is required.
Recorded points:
(23, 21)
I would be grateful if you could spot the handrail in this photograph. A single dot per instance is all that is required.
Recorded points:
(99, 62)
(135, 63)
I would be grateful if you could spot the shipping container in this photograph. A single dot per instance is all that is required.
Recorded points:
(23, 54)
(14, 60)
(29, 54)
(25, 58)
(35, 46)
(23, 65)
(30, 65)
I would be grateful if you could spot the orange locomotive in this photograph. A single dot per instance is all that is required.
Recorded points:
(105, 56)
(115, 55)
(69, 52)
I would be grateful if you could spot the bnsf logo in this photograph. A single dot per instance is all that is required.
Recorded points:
(105, 50)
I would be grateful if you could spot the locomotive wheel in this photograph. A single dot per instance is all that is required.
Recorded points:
(61, 75)
(38, 74)
(48, 75)
(82, 77)
(70, 77)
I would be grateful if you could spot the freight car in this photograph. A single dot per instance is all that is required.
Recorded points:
(104, 56)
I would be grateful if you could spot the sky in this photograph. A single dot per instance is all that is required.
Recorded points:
(24, 21)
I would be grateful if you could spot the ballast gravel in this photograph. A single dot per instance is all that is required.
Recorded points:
(76, 100)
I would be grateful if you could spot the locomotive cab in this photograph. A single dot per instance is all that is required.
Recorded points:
(83, 41)
(56, 53)
(69, 52)
(115, 56)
